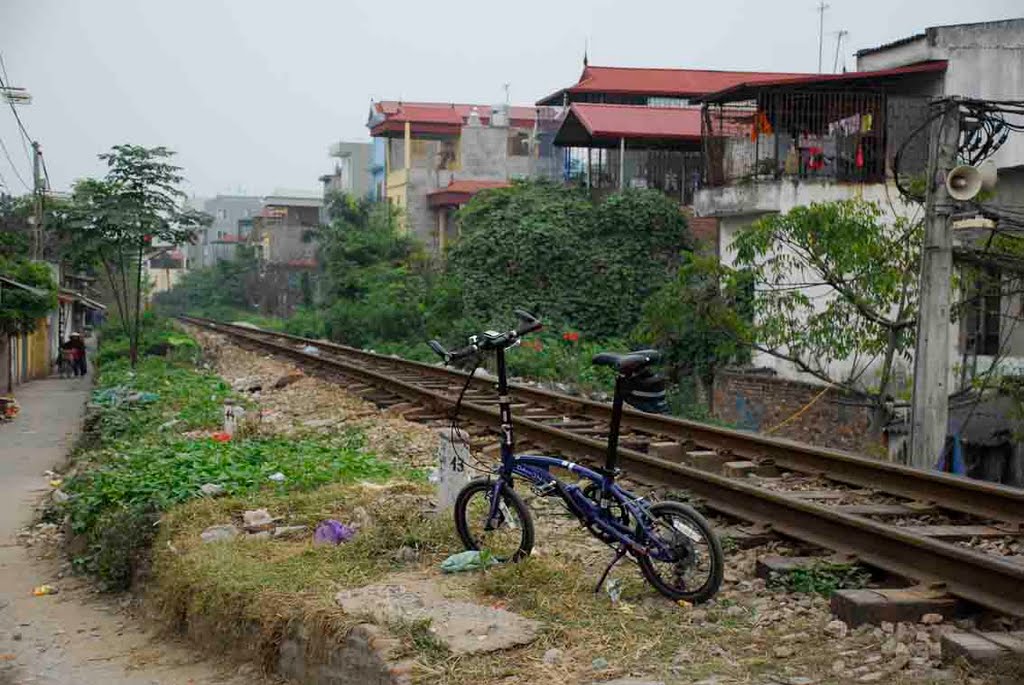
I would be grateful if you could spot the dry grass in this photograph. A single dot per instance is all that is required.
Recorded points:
(244, 596)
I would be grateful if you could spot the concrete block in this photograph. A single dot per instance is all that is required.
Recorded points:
(775, 564)
(976, 647)
(856, 607)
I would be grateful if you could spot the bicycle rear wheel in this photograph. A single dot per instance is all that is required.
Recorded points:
(508, 536)
(693, 567)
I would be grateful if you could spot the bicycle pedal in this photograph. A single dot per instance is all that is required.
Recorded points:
(544, 490)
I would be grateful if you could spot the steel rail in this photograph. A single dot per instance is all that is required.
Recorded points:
(988, 581)
(947, 491)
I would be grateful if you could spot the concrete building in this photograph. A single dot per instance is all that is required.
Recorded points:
(165, 266)
(378, 166)
(352, 169)
(772, 145)
(217, 242)
(282, 231)
(431, 145)
(283, 237)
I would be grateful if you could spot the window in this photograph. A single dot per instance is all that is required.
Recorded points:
(983, 309)
(667, 102)
(222, 214)
(519, 143)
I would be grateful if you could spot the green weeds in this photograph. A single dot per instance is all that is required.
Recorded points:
(822, 578)
(136, 458)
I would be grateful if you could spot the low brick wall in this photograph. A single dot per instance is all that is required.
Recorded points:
(759, 402)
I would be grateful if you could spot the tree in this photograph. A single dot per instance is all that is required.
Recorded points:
(114, 219)
(692, 320)
(835, 293)
(21, 309)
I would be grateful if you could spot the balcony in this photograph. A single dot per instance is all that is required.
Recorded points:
(787, 147)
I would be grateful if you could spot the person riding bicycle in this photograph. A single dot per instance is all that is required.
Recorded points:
(74, 348)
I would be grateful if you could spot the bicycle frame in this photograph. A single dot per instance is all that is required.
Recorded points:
(536, 470)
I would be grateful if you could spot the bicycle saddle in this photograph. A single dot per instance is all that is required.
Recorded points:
(629, 363)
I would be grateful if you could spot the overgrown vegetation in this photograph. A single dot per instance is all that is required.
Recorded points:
(148, 447)
(601, 276)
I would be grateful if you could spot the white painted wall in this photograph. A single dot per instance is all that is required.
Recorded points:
(986, 60)
(750, 202)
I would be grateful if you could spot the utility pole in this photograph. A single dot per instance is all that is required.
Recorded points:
(821, 30)
(37, 189)
(839, 41)
(930, 405)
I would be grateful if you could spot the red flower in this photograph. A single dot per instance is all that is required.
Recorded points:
(571, 336)
(220, 437)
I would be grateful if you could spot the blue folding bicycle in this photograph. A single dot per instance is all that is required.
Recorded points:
(677, 551)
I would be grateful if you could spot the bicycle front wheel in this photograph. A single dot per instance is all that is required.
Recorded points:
(508, 535)
(690, 564)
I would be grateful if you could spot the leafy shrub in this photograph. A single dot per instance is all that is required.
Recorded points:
(546, 247)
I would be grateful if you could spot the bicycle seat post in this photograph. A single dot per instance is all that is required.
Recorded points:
(612, 458)
(505, 410)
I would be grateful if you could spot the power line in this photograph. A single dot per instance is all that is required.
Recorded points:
(5, 85)
(11, 162)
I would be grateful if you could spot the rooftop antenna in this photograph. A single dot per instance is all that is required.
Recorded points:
(586, 49)
(839, 41)
(822, 6)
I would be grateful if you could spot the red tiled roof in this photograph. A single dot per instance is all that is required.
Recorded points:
(460, 192)
(746, 90)
(663, 82)
(440, 117)
(635, 121)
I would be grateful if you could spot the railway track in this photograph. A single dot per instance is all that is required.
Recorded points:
(913, 524)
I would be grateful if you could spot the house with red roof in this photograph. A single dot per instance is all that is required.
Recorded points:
(634, 127)
(770, 145)
(438, 155)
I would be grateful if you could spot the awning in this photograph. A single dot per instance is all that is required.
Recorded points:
(68, 295)
(598, 125)
(11, 283)
(458, 193)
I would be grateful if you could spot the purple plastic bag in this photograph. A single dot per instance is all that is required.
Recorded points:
(331, 532)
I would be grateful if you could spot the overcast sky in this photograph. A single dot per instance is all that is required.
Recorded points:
(252, 92)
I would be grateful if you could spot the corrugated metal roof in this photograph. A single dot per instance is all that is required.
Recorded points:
(745, 91)
(893, 44)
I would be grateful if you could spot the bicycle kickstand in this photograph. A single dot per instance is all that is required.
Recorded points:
(621, 552)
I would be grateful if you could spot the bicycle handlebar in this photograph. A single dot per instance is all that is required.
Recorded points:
(489, 340)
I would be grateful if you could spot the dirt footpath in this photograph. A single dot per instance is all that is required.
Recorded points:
(73, 637)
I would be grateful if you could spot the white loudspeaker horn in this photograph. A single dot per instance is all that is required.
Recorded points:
(965, 181)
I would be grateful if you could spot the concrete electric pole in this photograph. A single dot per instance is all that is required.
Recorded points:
(821, 30)
(930, 405)
(38, 187)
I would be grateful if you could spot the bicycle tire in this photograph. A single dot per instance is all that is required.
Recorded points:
(710, 587)
(511, 499)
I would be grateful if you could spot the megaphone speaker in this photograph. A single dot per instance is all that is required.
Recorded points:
(965, 182)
